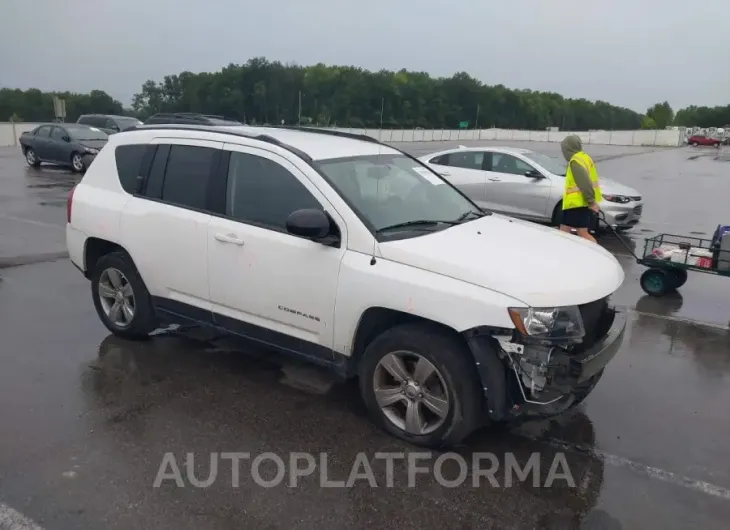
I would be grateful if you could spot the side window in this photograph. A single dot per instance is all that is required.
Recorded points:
(442, 160)
(85, 120)
(187, 176)
(503, 163)
(262, 192)
(109, 124)
(57, 134)
(44, 131)
(466, 159)
(129, 162)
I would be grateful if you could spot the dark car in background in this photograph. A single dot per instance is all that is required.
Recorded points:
(190, 118)
(109, 123)
(65, 144)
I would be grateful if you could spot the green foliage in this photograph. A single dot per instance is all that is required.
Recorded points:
(648, 123)
(703, 116)
(661, 114)
(34, 105)
(268, 92)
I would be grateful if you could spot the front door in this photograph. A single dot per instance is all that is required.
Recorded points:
(265, 283)
(515, 193)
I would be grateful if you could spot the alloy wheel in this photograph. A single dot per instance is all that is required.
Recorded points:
(411, 392)
(77, 163)
(30, 156)
(117, 297)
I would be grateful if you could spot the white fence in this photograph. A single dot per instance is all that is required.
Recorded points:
(10, 132)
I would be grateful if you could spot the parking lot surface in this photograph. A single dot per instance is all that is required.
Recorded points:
(87, 419)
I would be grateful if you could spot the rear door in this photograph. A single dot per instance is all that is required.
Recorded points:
(165, 226)
(464, 169)
(514, 193)
(41, 141)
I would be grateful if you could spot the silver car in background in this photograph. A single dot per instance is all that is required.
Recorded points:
(526, 184)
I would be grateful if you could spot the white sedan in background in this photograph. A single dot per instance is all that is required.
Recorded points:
(525, 184)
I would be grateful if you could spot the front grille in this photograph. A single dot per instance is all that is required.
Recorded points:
(639, 209)
(637, 198)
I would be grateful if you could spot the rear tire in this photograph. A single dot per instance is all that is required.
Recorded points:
(452, 385)
(678, 277)
(139, 315)
(32, 158)
(693, 144)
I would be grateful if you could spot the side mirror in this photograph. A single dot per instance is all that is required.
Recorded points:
(534, 174)
(66, 138)
(312, 224)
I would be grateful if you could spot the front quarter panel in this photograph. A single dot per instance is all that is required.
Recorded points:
(387, 284)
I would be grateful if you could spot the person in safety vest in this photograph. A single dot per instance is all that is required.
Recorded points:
(582, 191)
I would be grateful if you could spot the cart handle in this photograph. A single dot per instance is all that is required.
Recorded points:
(612, 228)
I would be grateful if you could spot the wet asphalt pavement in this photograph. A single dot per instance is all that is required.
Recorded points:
(86, 419)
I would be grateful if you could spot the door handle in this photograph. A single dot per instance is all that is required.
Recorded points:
(495, 180)
(229, 238)
(444, 174)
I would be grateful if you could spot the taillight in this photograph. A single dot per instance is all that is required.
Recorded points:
(69, 204)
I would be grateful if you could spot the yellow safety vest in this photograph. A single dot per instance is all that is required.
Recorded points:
(572, 196)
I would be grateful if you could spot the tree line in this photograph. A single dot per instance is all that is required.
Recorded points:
(265, 92)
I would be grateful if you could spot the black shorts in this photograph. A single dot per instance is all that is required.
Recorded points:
(582, 217)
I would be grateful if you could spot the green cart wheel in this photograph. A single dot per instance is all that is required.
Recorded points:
(678, 277)
(656, 282)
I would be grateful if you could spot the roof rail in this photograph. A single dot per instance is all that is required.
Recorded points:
(331, 132)
(215, 128)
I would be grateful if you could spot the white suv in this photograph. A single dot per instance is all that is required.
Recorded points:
(355, 256)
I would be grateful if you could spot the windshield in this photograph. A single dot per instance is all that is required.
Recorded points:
(553, 165)
(126, 123)
(87, 133)
(388, 190)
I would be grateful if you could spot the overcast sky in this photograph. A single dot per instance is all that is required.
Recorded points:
(628, 52)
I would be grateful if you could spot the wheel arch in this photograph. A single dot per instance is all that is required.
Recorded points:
(377, 320)
(95, 248)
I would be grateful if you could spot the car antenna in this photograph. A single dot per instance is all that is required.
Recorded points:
(377, 182)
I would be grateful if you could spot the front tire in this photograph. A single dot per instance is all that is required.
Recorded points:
(656, 282)
(420, 384)
(121, 298)
(558, 214)
(32, 158)
(77, 163)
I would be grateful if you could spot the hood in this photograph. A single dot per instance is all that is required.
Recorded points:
(537, 265)
(611, 187)
(94, 144)
(570, 146)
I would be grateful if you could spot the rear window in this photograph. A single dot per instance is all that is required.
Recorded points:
(129, 161)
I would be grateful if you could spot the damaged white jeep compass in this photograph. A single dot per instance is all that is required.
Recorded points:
(355, 256)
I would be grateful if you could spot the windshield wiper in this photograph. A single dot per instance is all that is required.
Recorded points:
(478, 215)
(419, 222)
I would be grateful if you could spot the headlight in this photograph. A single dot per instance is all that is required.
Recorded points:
(554, 323)
(621, 199)
(91, 151)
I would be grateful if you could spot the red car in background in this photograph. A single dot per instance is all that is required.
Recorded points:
(699, 139)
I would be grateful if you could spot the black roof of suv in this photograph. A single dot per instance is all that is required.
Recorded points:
(190, 118)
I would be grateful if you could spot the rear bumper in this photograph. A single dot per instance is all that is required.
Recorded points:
(75, 244)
